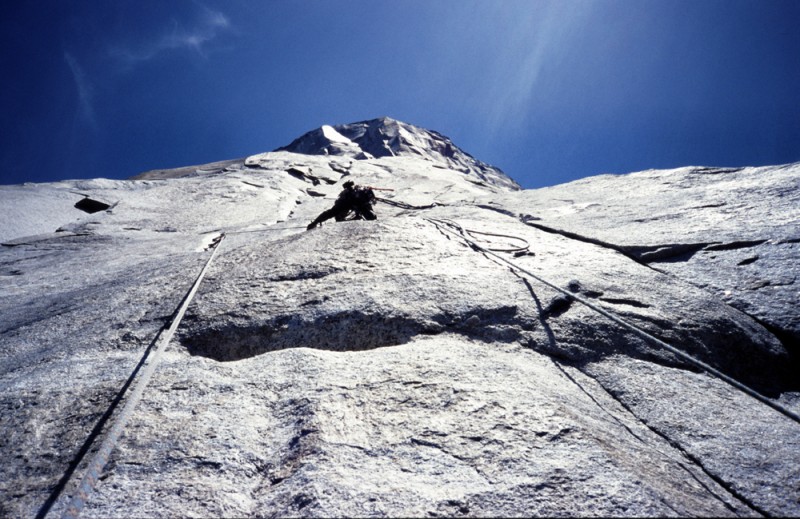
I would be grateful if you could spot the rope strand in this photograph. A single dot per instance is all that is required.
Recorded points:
(100, 459)
(638, 331)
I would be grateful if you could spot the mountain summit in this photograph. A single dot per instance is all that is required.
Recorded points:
(387, 137)
(478, 350)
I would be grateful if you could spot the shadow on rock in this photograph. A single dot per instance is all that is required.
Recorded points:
(345, 331)
(735, 348)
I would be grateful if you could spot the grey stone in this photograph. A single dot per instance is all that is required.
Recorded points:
(733, 232)
(388, 368)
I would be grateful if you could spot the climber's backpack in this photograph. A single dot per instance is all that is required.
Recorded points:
(363, 195)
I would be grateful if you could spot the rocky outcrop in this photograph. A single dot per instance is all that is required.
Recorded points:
(732, 232)
(388, 367)
(386, 137)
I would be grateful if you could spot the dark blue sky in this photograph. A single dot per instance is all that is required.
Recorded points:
(547, 91)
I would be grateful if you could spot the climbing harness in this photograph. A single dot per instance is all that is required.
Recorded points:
(100, 459)
(448, 225)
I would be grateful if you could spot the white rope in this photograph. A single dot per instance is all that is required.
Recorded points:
(101, 457)
(645, 335)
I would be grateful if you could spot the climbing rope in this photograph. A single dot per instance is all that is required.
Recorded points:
(403, 205)
(523, 248)
(445, 225)
(100, 459)
(268, 229)
(472, 232)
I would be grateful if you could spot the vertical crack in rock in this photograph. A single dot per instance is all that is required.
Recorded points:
(591, 397)
(294, 433)
(694, 459)
(723, 342)
(645, 256)
(681, 451)
(302, 443)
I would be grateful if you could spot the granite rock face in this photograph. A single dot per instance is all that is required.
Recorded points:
(732, 232)
(388, 368)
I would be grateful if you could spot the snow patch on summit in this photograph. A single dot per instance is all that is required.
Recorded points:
(387, 137)
(330, 133)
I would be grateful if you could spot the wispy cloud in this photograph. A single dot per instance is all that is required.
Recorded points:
(85, 90)
(534, 41)
(195, 37)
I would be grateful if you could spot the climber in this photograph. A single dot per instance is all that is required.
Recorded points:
(353, 198)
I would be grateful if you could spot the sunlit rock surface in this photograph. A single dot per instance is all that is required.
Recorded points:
(734, 232)
(387, 368)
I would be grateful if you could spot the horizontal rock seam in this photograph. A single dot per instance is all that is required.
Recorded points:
(440, 224)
